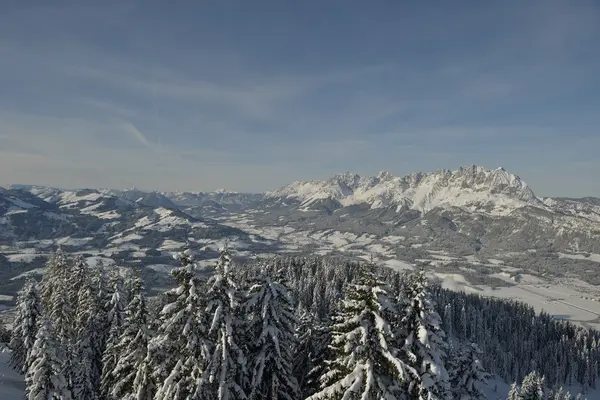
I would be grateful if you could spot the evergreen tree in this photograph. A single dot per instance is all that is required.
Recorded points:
(25, 326)
(87, 362)
(131, 375)
(514, 392)
(226, 373)
(56, 286)
(179, 351)
(272, 327)
(312, 340)
(423, 339)
(557, 395)
(467, 375)
(85, 359)
(45, 379)
(532, 387)
(365, 363)
(115, 316)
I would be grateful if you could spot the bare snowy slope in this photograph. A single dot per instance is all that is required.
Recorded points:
(473, 188)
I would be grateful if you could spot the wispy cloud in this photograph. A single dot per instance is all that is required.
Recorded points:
(135, 132)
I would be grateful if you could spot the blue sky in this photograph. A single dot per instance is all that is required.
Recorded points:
(199, 95)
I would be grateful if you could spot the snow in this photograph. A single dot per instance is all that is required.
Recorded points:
(106, 215)
(95, 260)
(592, 257)
(69, 241)
(143, 222)
(23, 257)
(163, 212)
(129, 238)
(36, 271)
(398, 265)
(496, 192)
(15, 211)
(393, 239)
(171, 245)
(165, 268)
(12, 386)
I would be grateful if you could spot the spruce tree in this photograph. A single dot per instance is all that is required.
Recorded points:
(365, 364)
(467, 375)
(114, 328)
(312, 340)
(25, 326)
(423, 339)
(226, 373)
(45, 379)
(56, 287)
(179, 351)
(131, 375)
(88, 347)
(514, 392)
(532, 387)
(272, 326)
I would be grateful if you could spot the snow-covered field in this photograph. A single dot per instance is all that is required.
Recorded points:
(12, 386)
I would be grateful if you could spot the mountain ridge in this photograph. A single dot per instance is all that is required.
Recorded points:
(473, 187)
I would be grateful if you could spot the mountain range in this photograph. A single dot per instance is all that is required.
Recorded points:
(468, 212)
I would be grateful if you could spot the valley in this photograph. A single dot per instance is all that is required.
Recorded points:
(472, 229)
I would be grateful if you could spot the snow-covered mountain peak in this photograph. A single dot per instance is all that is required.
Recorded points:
(473, 187)
(384, 176)
(224, 191)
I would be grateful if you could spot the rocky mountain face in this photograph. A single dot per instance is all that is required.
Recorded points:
(469, 209)
(494, 192)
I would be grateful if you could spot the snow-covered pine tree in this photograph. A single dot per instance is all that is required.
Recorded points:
(45, 379)
(532, 387)
(364, 362)
(422, 339)
(25, 326)
(272, 324)
(179, 351)
(467, 375)
(55, 297)
(558, 394)
(513, 393)
(114, 327)
(55, 266)
(227, 370)
(132, 374)
(312, 341)
(87, 350)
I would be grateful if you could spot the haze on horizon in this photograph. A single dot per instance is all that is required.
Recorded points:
(252, 96)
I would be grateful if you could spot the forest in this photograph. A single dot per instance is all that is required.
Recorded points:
(284, 328)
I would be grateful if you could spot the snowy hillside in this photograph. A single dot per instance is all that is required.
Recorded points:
(496, 192)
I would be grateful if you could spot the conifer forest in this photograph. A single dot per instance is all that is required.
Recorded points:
(285, 328)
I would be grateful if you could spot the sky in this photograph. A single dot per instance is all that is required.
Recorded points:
(252, 95)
